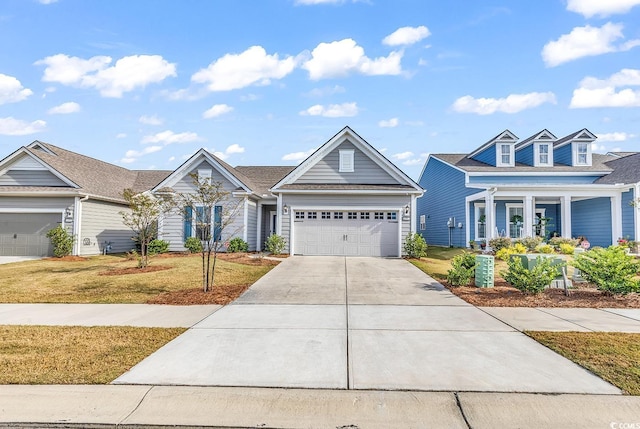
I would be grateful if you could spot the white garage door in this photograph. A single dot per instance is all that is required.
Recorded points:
(25, 234)
(361, 233)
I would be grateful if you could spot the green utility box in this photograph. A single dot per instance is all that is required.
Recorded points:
(531, 260)
(484, 270)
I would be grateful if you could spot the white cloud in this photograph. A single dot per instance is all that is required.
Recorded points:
(406, 36)
(132, 155)
(326, 91)
(513, 103)
(217, 110)
(615, 137)
(339, 59)
(402, 155)
(297, 156)
(584, 42)
(409, 158)
(64, 108)
(602, 8)
(121, 135)
(17, 127)
(249, 97)
(127, 74)
(389, 123)
(169, 137)
(332, 111)
(595, 147)
(611, 92)
(314, 2)
(150, 120)
(11, 90)
(230, 150)
(251, 67)
(416, 161)
(47, 1)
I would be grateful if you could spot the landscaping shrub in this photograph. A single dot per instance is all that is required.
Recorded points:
(237, 244)
(557, 241)
(499, 243)
(462, 270)
(567, 249)
(415, 246)
(61, 240)
(531, 281)
(530, 242)
(193, 245)
(275, 244)
(611, 269)
(506, 252)
(545, 248)
(157, 246)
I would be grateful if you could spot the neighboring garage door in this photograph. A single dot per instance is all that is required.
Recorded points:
(361, 233)
(25, 234)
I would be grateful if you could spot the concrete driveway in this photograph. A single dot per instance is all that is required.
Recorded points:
(10, 259)
(359, 323)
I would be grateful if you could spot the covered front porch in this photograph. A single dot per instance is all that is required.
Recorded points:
(518, 212)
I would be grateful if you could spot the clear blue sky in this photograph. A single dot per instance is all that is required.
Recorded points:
(144, 84)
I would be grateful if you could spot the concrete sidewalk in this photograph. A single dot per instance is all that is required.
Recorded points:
(143, 315)
(229, 407)
(568, 319)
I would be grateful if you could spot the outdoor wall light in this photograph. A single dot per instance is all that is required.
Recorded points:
(285, 209)
(406, 210)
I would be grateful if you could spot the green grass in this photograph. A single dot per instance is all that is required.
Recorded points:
(615, 357)
(438, 261)
(61, 281)
(74, 354)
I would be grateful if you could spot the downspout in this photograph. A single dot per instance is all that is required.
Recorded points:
(77, 221)
(636, 211)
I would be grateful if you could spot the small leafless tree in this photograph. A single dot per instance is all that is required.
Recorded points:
(146, 209)
(211, 210)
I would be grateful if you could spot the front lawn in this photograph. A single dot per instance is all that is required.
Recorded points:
(108, 279)
(615, 357)
(74, 354)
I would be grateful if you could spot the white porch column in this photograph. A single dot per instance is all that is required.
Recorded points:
(528, 213)
(565, 209)
(259, 227)
(616, 218)
(636, 211)
(245, 225)
(490, 216)
(279, 215)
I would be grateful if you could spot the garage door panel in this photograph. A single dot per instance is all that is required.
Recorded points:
(24, 234)
(360, 236)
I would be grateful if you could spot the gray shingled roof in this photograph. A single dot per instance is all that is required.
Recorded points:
(346, 187)
(625, 170)
(264, 177)
(621, 154)
(461, 161)
(95, 177)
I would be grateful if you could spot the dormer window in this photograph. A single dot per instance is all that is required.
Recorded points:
(543, 155)
(582, 153)
(346, 161)
(505, 155)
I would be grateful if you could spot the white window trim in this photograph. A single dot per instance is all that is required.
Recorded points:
(508, 219)
(499, 162)
(575, 153)
(346, 153)
(476, 216)
(543, 213)
(536, 155)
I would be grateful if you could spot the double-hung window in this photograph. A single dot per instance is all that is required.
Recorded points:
(199, 223)
(582, 151)
(543, 154)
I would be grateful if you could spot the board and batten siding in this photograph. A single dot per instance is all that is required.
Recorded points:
(444, 198)
(525, 155)
(101, 224)
(30, 178)
(628, 225)
(592, 219)
(330, 202)
(327, 171)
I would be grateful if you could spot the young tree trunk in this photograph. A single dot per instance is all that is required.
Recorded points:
(205, 284)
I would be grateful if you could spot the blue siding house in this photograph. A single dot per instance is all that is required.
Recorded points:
(540, 186)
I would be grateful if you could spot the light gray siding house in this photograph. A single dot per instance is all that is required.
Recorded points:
(42, 186)
(344, 199)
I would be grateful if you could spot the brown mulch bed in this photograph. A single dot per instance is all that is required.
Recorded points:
(221, 295)
(240, 258)
(503, 295)
(135, 270)
(69, 258)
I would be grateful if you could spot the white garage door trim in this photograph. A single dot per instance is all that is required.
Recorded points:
(294, 209)
(60, 212)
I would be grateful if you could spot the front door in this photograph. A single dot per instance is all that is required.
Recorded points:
(273, 219)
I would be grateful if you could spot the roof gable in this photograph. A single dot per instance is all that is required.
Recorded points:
(583, 135)
(504, 137)
(26, 161)
(323, 159)
(196, 159)
(544, 135)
